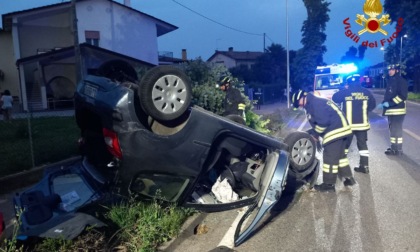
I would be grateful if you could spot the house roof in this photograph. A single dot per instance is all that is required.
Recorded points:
(163, 60)
(236, 55)
(379, 65)
(162, 26)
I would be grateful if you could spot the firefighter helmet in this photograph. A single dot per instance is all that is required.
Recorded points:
(394, 66)
(225, 80)
(296, 97)
(352, 79)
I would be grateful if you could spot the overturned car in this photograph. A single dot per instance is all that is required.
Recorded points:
(146, 139)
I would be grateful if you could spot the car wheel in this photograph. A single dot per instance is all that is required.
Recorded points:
(165, 93)
(302, 151)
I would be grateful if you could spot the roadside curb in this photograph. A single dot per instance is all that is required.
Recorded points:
(26, 178)
(187, 230)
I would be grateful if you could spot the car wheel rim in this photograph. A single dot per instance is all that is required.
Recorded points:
(169, 94)
(302, 151)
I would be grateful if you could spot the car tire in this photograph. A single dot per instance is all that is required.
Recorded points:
(165, 93)
(302, 149)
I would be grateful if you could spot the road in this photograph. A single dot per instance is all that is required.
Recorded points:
(380, 213)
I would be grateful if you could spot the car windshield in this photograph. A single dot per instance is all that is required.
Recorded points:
(328, 81)
(162, 186)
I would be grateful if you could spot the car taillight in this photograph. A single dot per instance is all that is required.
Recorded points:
(2, 226)
(112, 143)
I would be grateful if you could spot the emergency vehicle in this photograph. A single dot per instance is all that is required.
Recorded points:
(331, 78)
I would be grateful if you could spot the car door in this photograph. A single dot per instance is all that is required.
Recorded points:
(271, 187)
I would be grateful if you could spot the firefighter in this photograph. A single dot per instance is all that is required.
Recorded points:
(356, 102)
(234, 103)
(394, 106)
(328, 122)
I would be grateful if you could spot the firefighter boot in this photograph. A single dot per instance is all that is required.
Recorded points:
(349, 181)
(362, 169)
(392, 152)
(325, 187)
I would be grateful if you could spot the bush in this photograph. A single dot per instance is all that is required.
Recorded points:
(209, 98)
(204, 77)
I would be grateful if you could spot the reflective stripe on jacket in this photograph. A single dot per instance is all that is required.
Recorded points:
(234, 102)
(326, 119)
(356, 102)
(396, 95)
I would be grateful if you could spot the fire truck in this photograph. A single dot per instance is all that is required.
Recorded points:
(331, 78)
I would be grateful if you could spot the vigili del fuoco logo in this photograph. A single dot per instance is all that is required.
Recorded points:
(372, 21)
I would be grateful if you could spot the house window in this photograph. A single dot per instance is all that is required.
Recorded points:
(92, 37)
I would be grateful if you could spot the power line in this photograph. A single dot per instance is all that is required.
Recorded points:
(214, 21)
(269, 38)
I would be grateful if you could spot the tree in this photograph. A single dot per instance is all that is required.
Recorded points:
(406, 13)
(352, 57)
(271, 66)
(313, 38)
(243, 72)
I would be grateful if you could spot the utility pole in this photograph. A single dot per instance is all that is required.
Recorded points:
(401, 48)
(287, 63)
(264, 42)
(383, 67)
(77, 56)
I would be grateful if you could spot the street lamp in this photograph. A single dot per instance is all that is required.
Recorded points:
(383, 67)
(287, 56)
(405, 36)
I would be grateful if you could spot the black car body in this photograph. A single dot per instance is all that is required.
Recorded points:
(147, 140)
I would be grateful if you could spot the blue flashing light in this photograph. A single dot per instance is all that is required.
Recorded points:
(348, 68)
(325, 70)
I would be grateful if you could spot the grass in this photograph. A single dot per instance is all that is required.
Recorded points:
(53, 139)
(144, 226)
(131, 226)
(414, 97)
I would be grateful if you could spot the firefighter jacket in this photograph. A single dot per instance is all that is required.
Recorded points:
(396, 95)
(326, 119)
(356, 102)
(234, 103)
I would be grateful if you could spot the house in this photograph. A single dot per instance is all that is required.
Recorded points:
(167, 58)
(376, 70)
(41, 43)
(233, 58)
(376, 74)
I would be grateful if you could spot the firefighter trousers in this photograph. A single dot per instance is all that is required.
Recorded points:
(335, 161)
(361, 138)
(395, 123)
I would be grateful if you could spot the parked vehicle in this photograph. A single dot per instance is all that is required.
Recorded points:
(147, 140)
(330, 79)
(366, 81)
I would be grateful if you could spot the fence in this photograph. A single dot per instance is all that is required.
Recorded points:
(36, 138)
